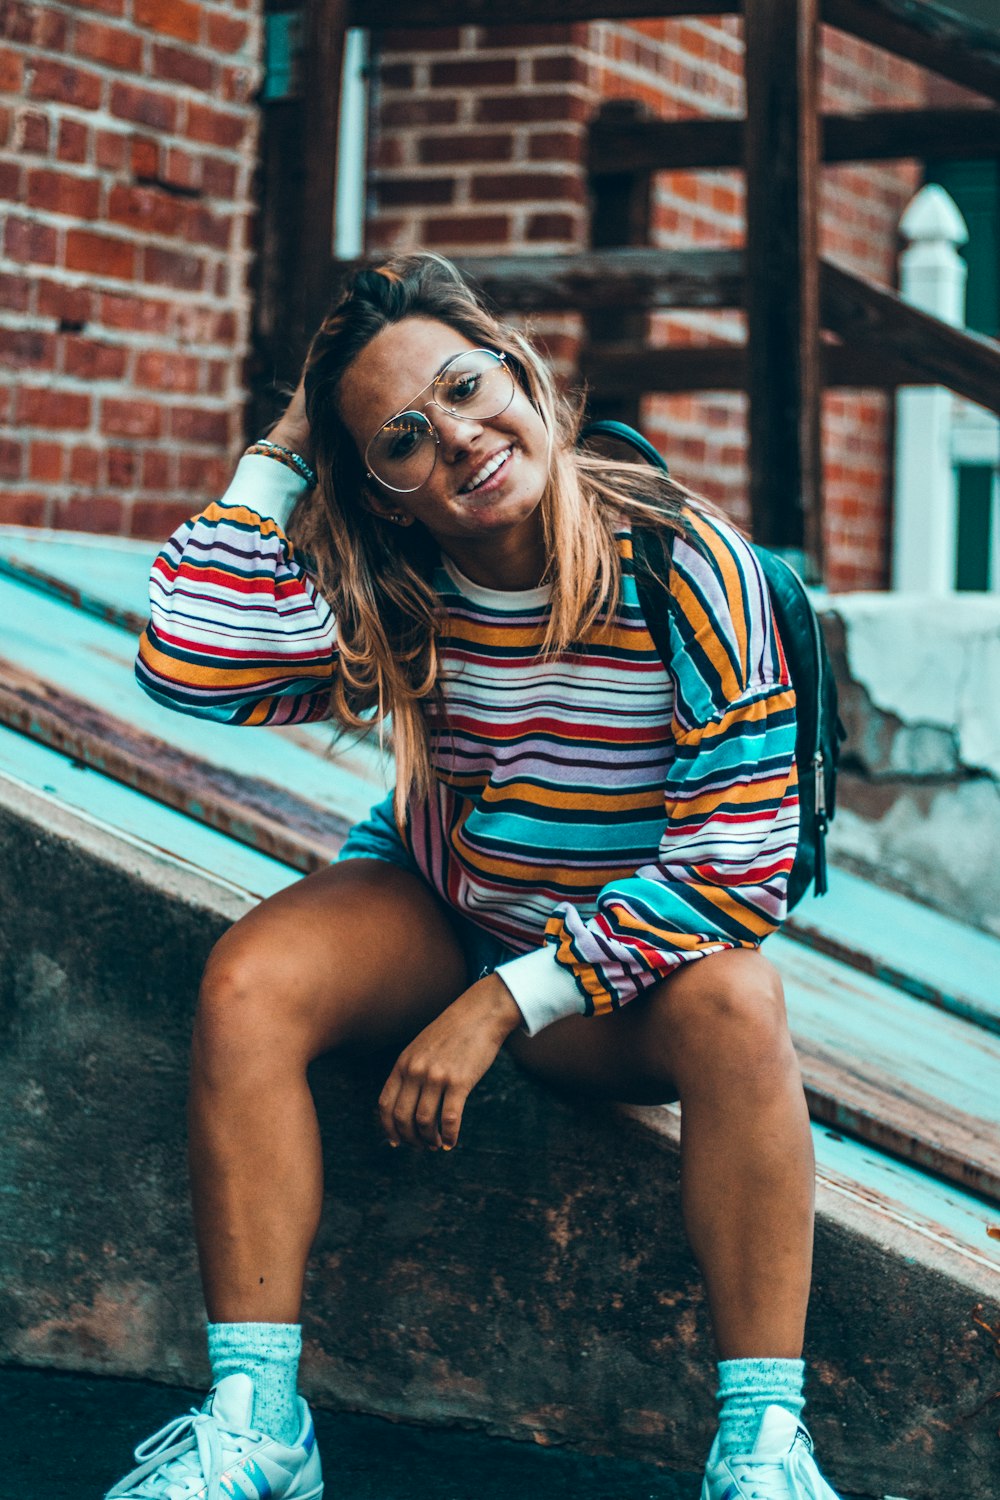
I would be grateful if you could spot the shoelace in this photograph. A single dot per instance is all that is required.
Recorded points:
(194, 1446)
(769, 1481)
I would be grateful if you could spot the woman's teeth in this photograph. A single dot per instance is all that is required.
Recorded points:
(489, 468)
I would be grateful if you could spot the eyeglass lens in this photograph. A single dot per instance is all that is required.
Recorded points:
(474, 386)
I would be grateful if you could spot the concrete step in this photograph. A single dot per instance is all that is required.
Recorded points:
(533, 1284)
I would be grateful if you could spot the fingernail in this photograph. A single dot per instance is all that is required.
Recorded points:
(445, 1148)
(394, 1144)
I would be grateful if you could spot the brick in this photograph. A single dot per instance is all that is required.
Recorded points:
(73, 142)
(10, 181)
(565, 69)
(237, 85)
(51, 79)
(6, 125)
(161, 371)
(110, 149)
(11, 71)
(147, 210)
(177, 18)
(70, 306)
(26, 348)
(89, 513)
(553, 227)
(45, 462)
(31, 132)
(469, 74)
(84, 465)
(409, 114)
(177, 268)
(195, 424)
(144, 107)
(396, 76)
(91, 359)
(477, 229)
(218, 177)
(18, 22)
(15, 292)
(520, 37)
(23, 508)
(421, 39)
(420, 192)
(122, 468)
(225, 33)
(177, 65)
(502, 109)
(41, 406)
(137, 314)
(139, 419)
(30, 243)
(181, 170)
(106, 7)
(144, 158)
(208, 228)
(11, 458)
(156, 519)
(519, 187)
(205, 473)
(99, 253)
(60, 193)
(113, 45)
(435, 150)
(215, 127)
(564, 146)
(157, 470)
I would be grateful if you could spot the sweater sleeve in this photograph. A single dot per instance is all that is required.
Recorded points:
(238, 631)
(731, 803)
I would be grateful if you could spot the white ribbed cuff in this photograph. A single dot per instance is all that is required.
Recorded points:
(266, 486)
(543, 989)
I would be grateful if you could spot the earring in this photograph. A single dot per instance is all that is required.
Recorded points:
(396, 517)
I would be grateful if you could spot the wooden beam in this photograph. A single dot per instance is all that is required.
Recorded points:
(633, 370)
(782, 274)
(615, 279)
(396, 13)
(871, 317)
(268, 818)
(927, 33)
(325, 23)
(869, 135)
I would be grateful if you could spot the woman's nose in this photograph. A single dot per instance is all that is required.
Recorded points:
(455, 434)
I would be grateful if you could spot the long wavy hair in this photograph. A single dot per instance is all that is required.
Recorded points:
(377, 576)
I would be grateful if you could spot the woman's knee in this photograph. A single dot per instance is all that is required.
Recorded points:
(725, 1013)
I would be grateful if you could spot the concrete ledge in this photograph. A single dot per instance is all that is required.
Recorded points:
(533, 1284)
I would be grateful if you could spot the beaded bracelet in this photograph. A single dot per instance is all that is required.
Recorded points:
(285, 456)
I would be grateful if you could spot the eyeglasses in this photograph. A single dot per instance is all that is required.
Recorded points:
(474, 386)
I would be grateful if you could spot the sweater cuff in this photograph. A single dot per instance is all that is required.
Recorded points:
(267, 487)
(543, 989)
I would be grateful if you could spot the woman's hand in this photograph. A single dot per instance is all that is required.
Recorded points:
(292, 430)
(424, 1097)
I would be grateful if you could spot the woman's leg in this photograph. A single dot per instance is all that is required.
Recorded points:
(715, 1036)
(361, 953)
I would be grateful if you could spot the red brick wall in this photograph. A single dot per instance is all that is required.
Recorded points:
(479, 146)
(127, 148)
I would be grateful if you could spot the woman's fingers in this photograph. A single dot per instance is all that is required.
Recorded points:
(452, 1110)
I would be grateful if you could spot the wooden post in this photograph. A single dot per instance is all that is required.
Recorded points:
(620, 208)
(323, 59)
(782, 277)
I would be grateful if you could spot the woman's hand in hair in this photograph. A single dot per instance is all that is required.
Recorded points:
(292, 430)
(424, 1097)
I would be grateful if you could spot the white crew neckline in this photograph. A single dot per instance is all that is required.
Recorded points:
(496, 598)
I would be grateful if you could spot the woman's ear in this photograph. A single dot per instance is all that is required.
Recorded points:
(385, 507)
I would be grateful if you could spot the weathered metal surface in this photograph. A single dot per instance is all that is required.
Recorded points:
(534, 1283)
(903, 1076)
(911, 947)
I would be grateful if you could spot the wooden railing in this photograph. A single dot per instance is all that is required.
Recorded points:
(790, 297)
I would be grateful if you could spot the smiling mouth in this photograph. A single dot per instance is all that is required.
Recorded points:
(486, 472)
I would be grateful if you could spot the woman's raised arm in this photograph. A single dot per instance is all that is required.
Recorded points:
(238, 630)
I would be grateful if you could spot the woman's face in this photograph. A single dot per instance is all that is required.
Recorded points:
(459, 506)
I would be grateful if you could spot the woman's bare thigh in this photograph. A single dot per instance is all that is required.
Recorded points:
(362, 953)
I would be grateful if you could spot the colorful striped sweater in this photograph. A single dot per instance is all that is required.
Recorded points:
(605, 818)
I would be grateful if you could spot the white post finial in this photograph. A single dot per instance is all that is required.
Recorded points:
(932, 277)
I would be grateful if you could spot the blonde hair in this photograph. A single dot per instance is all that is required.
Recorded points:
(377, 576)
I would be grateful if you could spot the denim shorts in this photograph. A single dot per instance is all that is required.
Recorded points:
(377, 837)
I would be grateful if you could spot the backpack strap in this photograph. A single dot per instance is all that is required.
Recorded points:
(651, 568)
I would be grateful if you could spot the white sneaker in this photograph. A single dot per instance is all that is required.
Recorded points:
(216, 1454)
(780, 1467)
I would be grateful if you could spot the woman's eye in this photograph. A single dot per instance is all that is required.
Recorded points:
(403, 443)
(463, 388)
